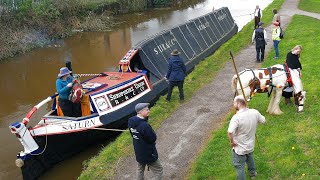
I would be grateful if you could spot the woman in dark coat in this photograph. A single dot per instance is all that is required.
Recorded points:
(176, 74)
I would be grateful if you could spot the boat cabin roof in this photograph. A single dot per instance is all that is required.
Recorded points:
(112, 80)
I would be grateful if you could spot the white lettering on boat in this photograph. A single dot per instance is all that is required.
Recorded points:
(120, 94)
(203, 26)
(79, 124)
(127, 93)
(162, 47)
(222, 17)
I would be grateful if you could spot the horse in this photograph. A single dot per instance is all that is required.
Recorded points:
(274, 78)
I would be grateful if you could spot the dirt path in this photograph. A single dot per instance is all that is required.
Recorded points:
(182, 136)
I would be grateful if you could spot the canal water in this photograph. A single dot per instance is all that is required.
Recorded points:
(29, 78)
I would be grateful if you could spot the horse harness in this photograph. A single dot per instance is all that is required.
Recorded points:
(255, 79)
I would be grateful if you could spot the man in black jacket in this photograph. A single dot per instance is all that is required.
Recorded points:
(260, 37)
(144, 142)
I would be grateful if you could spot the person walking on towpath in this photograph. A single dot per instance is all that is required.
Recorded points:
(144, 143)
(260, 37)
(257, 16)
(176, 74)
(241, 133)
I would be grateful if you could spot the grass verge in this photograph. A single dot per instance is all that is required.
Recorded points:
(103, 166)
(310, 5)
(288, 144)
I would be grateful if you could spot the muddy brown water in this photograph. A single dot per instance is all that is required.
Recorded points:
(29, 78)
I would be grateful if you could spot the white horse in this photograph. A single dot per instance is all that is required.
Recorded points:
(270, 79)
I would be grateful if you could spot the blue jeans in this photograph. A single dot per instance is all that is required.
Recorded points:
(275, 45)
(239, 163)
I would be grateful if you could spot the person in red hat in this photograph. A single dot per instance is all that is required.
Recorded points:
(276, 38)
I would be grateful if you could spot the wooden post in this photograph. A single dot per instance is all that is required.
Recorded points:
(235, 67)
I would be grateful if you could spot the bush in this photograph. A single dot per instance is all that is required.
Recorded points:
(162, 2)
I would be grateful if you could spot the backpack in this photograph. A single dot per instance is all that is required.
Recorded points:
(281, 36)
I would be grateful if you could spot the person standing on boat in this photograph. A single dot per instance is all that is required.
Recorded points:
(241, 134)
(144, 142)
(176, 74)
(64, 85)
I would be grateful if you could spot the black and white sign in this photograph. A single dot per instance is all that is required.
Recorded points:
(127, 93)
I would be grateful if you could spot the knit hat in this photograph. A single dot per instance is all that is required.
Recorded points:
(141, 106)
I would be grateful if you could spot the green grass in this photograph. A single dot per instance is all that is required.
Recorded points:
(289, 144)
(103, 166)
(310, 5)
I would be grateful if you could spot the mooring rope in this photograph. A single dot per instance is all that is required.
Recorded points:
(45, 145)
(104, 129)
(243, 15)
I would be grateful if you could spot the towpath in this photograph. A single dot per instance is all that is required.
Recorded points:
(182, 136)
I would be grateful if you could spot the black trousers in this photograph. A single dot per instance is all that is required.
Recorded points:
(256, 21)
(171, 86)
(260, 48)
(69, 108)
(286, 94)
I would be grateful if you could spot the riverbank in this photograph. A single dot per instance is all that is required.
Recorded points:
(41, 23)
(288, 144)
(189, 123)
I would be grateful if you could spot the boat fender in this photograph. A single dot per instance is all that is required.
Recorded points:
(19, 162)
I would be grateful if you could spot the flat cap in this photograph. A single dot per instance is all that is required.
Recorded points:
(141, 106)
